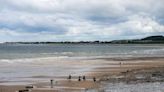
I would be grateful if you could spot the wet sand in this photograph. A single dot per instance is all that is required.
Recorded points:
(138, 70)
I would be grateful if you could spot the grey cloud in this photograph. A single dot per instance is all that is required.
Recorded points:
(80, 19)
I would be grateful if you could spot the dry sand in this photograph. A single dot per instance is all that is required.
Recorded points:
(123, 70)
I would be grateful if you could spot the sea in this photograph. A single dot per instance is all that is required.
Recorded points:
(20, 63)
(10, 52)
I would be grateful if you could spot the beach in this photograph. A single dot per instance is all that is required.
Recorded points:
(109, 71)
(106, 67)
(81, 46)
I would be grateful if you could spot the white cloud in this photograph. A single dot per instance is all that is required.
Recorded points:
(58, 20)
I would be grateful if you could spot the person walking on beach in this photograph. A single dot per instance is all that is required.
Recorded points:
(94, 79)
(51, 83)
(69, 77)
(79, 78)
(120, 64)
(84, 78)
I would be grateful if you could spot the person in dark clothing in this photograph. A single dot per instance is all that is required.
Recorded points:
(69, 77)
(79, 78)
(94, 79)
(84, 78)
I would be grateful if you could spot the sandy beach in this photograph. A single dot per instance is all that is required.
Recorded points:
(81, 46)
(132, 70)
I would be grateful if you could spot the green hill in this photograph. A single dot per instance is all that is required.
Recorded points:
(154, 38)
(159, 39)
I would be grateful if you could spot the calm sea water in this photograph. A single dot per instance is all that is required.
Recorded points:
(17, 51)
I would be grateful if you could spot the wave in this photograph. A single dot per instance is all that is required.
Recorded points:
(58, 53)
(32, 60)
(70, 56)
(149, 51)
(49, 60)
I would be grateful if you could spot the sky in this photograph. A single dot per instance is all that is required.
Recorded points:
(80, 20)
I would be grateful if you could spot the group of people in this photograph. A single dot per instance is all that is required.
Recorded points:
(80, 78)
(83, 77)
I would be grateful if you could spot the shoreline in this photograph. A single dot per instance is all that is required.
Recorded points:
(143, 70)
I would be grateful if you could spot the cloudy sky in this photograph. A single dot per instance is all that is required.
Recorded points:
(75, 20)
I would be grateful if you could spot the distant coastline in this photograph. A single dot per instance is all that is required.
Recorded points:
(158, 39)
